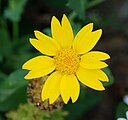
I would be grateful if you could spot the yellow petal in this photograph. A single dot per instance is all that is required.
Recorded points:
(39, 62)
(82, 36)
(87, 41)
(75, 88)
(67, 31)
(45, 44)
(101, 75)
(69, 88)
(57, 32)
(51, 88)
(98, 55)
(36, 73)
(90, 62)
(87, 78)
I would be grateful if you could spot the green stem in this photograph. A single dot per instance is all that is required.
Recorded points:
(15, 31)
(0, 8)
(72, 16)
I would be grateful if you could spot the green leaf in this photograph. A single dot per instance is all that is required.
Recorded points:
(21, 53)
(5, 42)
(76, 27)
(56, 3)
(86, 101)
(14, 10)
(24, 44)
(18, 59)
(47, 31)
(121, 110)
(13, 91)
(1, 57)
(2, 76)
(78, 6)
(110, 76)
(93, 3)
(1, 117)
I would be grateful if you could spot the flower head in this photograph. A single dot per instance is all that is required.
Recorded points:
(67, 60)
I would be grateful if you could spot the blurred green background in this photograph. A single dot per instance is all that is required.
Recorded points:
(18, 20)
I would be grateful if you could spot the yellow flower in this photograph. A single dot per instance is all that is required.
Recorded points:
(67, 59)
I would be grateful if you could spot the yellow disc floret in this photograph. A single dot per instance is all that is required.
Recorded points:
(67, 61)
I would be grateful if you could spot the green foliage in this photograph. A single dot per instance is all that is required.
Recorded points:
(121, 110)
(1, 117)
(76, 28)
(56, 3)
(3, 76)
(80, 6)
(47, 31)
(93, 3)
(110, 76)
(13, 91)
(30, 112)
(14, 10)
(5, 41)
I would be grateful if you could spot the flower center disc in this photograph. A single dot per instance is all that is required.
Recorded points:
(67, 61)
